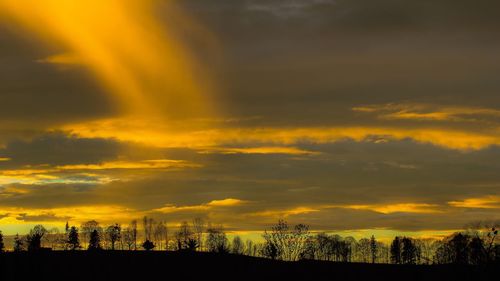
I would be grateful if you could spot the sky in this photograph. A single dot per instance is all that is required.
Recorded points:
(351, 116)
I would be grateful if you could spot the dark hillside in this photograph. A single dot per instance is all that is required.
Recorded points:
(141, 265)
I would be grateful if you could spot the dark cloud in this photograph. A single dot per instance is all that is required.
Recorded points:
(38, 95)
(327, 56)
(60, 149)
(41, 218)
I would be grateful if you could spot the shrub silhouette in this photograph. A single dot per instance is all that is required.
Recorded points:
(148, 245)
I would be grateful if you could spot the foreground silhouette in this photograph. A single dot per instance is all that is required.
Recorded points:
(161, 265)
(286, 252)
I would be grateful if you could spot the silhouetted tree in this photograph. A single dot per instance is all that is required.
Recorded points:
(148, 245)
(53, 238)
(216, 240)
(73, 238)
(18, 244)
(491, 253)
(87, 228)
(270, 250)
(237, 247)
(2, 245)
(34, 238)
(427, 248)
(133, 227)
(198, 229)
(373, 248)
(148, 227)
(183, 236)
(95, 240)
(409, 252)
(477, 251)
(160, 235)
(363, 250)
(251, 249)
(327, 247)
(396, 250)
(290, 243)
(128, 238)
(113, 233)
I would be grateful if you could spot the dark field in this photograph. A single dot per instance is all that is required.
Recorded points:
(141, 265)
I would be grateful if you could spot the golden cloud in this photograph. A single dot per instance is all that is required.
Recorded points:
(228, 202)
(158, 135)
(260, 150)
(487, 202)
(43, 174)
(420, 208)
(136, 56)
(77, 214)
(286, 212)
(427, 112)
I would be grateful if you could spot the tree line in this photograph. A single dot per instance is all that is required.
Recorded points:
(478, 244)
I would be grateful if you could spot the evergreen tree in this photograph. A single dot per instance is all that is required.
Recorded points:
(94, 241)
(73, 240)
(18, 244)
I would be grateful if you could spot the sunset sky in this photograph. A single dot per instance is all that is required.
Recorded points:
(351, 116)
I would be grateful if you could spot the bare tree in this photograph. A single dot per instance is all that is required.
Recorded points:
(128, 237)
(86, 230)
(289, 243)
(216, 240)
(363, 250)
(51, 239)
(237, 247)
(251, 249)
(199, 228)
(428, 248)
(185, 237)
(133, 228)
(113, 233)
(159, 234)
(148, 227)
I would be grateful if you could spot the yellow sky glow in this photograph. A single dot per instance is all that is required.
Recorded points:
(140, 60)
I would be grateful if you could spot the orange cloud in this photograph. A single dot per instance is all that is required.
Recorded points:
(228, 202)
(167, 135)
(260, 150)
(285, 213)
(396, 208)
(136, 56)
(487, 202)
(427, 112)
